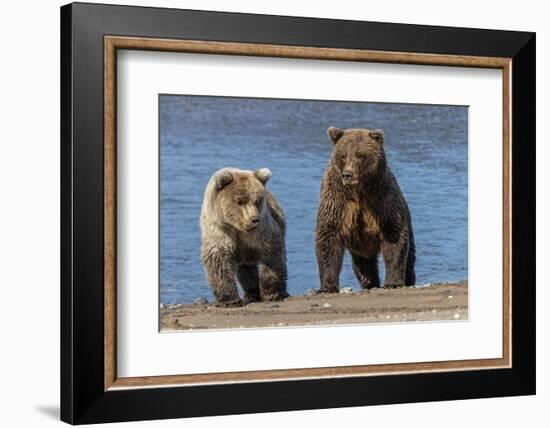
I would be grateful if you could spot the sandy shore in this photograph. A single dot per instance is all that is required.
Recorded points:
(434, 302)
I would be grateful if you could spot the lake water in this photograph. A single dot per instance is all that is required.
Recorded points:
(426, 146)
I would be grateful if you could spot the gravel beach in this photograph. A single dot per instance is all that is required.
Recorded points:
(433, 302)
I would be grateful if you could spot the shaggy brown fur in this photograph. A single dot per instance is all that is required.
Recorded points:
(243, 237)
(362, 210)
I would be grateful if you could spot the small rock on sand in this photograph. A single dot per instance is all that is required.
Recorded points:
(346, 290)
(200, 301)
(311, 292)
(327, 305)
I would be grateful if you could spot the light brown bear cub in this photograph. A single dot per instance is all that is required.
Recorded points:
(362, 210)
(243, 237)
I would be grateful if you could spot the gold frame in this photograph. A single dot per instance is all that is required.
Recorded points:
(113, 43)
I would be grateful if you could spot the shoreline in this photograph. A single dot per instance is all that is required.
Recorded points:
(432, 302)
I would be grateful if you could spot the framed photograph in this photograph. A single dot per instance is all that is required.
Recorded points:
(266, 213)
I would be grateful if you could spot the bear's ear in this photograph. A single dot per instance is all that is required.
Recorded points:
(377, 135)
(223, 178)
(335, 134)
(263, 174)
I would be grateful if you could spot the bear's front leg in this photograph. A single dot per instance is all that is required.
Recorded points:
(273, 280)
(366, 271)
(330, 255)
(250, 282)
(221, 277)
(395, 260)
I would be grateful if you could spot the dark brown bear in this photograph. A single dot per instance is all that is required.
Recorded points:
(362, 210)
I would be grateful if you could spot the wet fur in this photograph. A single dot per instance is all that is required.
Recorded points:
(367, 218)
(257, 259)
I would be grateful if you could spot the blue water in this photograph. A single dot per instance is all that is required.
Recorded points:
(427, 149)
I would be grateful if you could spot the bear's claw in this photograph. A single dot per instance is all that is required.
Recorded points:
(229, 303)
(275, 297)
(329, 290)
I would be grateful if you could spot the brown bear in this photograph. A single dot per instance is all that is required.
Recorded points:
(362, 210)
(243, 237)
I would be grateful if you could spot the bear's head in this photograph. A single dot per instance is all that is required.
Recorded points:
(358, 154)
(240, 197)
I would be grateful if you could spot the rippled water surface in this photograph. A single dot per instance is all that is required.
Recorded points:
(426, 146)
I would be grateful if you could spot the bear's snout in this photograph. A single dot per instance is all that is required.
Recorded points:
(347, 175)
(252, 223)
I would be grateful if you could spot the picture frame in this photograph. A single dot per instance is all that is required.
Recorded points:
(91, 391)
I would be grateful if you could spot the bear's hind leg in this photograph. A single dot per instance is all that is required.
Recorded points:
(250, 282)
(366, 271)
(273, 281)
(410, 276)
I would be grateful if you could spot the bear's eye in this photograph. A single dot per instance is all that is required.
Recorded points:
(360, 155)
(341, 156)
(259, 202)
(241, 201)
